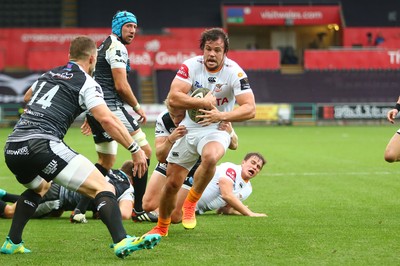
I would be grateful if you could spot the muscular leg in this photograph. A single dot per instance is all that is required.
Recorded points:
(95, 186)
(176, 216)
(392, 152)
(211, 154)
(106, 160)
(151, 198)
(175, 176)
(26, 207)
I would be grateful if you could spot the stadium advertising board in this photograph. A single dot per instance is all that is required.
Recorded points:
(272, 112)
(353, 111)
(350, 59)
(147, 52)
(281, 15)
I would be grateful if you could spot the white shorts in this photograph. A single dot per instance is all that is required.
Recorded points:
(186, 150)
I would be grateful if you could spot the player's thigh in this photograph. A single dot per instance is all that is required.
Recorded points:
(81, 175)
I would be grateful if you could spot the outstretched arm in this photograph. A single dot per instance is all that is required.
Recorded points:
(391, 115)
(226, 188)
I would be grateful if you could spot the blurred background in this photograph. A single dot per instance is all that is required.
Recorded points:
(309, 62)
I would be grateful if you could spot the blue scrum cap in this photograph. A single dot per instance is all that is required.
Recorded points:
(120, 19)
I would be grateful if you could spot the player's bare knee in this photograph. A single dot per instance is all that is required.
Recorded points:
(126, 216)
(148, 205)
(390, 156)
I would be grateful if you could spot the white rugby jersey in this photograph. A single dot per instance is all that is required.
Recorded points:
(164, 125)
(212, 199)
(227, 83)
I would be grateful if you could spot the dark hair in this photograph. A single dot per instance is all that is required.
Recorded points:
(213, 35)
(256, 154)
(81, 48)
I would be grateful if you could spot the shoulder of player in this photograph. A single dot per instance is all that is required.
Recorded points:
(196, 61)
(117, 44)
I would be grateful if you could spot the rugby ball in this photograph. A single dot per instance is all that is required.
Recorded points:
(198, 93)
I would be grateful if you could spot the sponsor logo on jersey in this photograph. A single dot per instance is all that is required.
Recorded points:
(212, 79)
(244, 84)
(183, 72)
(196, 85)
(50, 168)
(65, 75)
(20, 151)
(231, 173)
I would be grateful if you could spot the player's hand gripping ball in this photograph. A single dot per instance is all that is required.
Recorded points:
(198, 93)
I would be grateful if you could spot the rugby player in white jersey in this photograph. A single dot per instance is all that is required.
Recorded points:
(228, 84)
(167, 132)
(227, 190)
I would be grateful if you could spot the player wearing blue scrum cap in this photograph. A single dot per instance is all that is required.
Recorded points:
(119, 20)
(111, 73)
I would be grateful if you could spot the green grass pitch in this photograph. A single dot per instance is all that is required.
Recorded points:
(330, 197)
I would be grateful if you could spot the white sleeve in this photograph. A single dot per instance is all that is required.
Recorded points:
(91, 95)
(117, 55)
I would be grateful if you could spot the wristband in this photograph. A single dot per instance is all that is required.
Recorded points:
(134, 147)
(397, 106)
(136, 107)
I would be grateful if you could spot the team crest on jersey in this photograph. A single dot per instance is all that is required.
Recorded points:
(183, 72)
(231, 173)
(218, 87)
(98, 90)
(240, 74)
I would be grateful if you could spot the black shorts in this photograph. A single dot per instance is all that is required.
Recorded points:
(43, 157)
(101, 136)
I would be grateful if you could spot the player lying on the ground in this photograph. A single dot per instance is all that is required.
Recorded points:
(59, 199)
(227, 190)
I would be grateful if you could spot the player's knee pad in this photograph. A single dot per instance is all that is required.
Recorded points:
(107, 147)
(140, 138)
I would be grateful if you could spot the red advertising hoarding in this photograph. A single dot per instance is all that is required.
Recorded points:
(351, 59)
(281, 15)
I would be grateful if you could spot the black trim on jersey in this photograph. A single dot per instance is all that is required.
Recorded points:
(168, 123)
